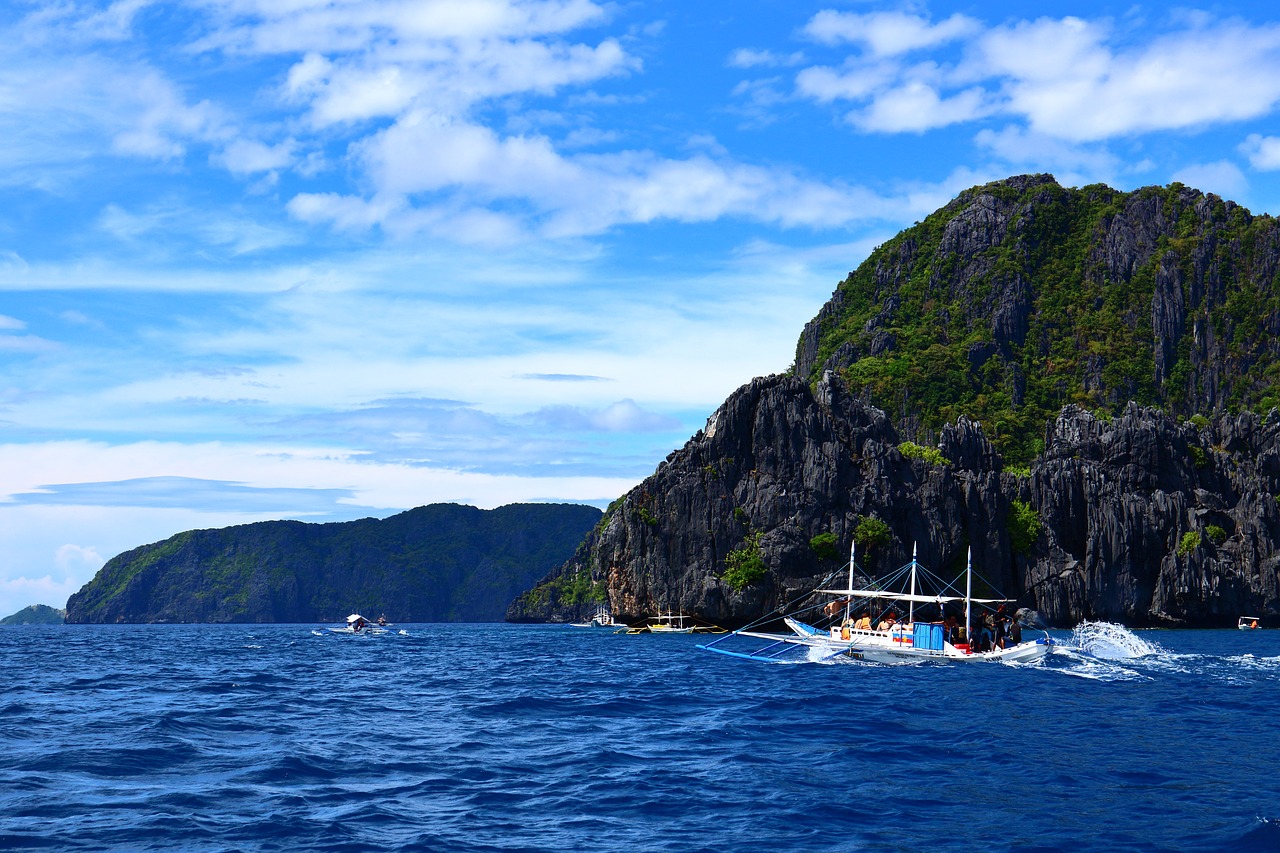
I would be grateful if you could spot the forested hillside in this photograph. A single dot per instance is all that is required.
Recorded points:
(438, 563)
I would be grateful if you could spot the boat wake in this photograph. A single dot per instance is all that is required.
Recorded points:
(1110, 641)
(1105, 651)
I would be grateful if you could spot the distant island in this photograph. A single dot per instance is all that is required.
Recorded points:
(36, 614)
(437, 563)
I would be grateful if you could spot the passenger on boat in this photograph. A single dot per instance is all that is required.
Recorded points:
(982, 635)
(1015, 632)
(1001, 630)
(863, 623)
(886, 624)
(833, 608)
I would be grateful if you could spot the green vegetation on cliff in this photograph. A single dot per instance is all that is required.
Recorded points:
(1021, 296)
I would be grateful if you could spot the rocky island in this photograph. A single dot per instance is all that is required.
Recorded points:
(1079, 384)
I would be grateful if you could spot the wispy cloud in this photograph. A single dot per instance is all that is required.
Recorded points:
(183, 492)
(563, 377)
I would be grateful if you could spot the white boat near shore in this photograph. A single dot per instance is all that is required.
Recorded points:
(988, 632)
(601, 619)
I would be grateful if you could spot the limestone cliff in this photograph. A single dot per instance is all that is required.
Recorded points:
(1120, 350)
(1142, 519)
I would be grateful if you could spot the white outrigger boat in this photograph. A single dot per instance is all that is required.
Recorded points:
(357, 624)
(671, 623)
(887, 640)
(1249, 623)
(602, 619)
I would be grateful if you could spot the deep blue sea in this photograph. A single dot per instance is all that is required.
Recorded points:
(500, 737)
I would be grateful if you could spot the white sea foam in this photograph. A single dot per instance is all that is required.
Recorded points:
(1109, 641)
(1071, 661)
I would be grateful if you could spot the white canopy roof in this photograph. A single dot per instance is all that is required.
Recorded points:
(906, 596)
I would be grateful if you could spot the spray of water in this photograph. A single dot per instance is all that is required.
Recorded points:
(1110, 641)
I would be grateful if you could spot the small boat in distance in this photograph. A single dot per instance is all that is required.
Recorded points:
(669, 623)
(602, 619)
(672, 623)
(879, 635)
(1249, 623)
(357, 624)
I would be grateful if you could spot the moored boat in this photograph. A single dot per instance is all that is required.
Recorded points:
(988, 631)
(672, 623)
(601, 619)
(1249, 623)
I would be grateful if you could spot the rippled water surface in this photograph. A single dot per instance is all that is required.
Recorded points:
(498, 737)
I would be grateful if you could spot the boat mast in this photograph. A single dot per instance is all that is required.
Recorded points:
(848, 599)
(911, 605)
(968, 602)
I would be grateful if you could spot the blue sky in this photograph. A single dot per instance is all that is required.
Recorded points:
(325, 260)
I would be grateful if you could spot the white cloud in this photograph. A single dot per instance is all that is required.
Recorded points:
(154, 119)
(748, 58)
(26, 343)
(1066, 78)
(573, 196)
(434, 71)
(267, 26)
(11, 323)
(853, 82)
(1263, 151)
(1072, 163)
(1066, 82)
(233, 232)
(12, 262)
(1222, 177)
(887, 33)
(60, 23)
(916, 106)
(622, 416)
(246, 156)
(19, 592)
(77, 560)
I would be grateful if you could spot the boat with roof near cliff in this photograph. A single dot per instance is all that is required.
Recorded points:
(601, 619)
(672, 623)
(877, 622)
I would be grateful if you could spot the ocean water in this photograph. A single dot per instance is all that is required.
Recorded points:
(505, 738)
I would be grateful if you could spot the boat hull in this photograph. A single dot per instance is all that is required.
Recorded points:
(893, 647)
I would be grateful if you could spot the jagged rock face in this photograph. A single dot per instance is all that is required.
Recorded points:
(1115, 498)
(1119, 499)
